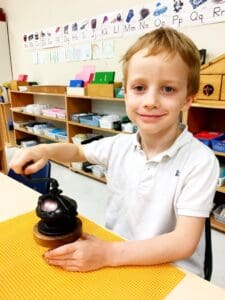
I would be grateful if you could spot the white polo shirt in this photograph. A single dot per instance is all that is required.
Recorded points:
(145, 196)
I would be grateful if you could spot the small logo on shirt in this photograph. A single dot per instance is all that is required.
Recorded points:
(177, 173)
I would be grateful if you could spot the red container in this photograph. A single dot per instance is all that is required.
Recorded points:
(206, 137)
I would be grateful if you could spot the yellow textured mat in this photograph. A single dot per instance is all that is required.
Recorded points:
(25, 275)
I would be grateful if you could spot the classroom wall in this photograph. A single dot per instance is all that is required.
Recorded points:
(29, 15)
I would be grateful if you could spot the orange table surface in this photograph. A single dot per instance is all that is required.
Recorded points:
(25, 275)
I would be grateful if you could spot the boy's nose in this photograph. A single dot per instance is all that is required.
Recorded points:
(151, 99)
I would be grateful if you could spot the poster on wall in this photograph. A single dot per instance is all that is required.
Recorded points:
(136, 19)
(102, 29)
(144, 17)
(110, 25)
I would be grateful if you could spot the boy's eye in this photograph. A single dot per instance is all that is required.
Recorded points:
(167, 89)
(139, 88)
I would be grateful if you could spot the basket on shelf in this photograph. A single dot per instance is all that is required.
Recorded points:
(219, 214)
(218, 144)
(206, 137)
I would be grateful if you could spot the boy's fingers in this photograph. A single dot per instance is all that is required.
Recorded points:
(62, 250)
(34, 167)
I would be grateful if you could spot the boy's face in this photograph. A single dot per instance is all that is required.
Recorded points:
(156, 91)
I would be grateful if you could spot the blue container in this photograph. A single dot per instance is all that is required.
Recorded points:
(90, 120)
(207, 137)
(218, 144)
(76, 83)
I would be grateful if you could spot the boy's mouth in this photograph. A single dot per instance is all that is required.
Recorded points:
(151, 116)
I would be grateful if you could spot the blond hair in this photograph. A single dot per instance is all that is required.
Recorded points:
(172, 42)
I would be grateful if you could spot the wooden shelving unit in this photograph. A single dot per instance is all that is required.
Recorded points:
(209, 116)
(217, 225)
(102, 179)
(93, 127)
(72, 104)
(3, 164)
(5, 119)
(80, 105)
(21, 99)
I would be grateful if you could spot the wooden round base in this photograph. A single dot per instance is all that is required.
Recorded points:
(56, 241)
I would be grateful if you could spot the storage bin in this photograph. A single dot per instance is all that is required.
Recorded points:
(77, 165)
(61, 137)
(85, 138)
(210, 86)
(102, 90)
(76, 117)
(119, 92)
(107, 121)
(76, 91)
(219, 214)
(207, 137)
(20, 124)
(39, 129)
(90, 120)
(221, 181)
(98, 171)
(78, 138)
(14, 84)
(218, 144)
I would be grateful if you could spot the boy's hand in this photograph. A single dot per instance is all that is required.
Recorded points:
(86, 254)
(29, 160)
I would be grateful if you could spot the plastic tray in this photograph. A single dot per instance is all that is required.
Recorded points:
(207, 137)
(217, 215)
(218, 144)
(90, 120)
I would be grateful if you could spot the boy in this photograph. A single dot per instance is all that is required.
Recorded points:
(161, 180)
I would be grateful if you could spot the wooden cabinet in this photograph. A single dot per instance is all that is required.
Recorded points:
(209, 117)
(6, 124)
(3, 164)
(72, 104)
(90, 104)
(22, 99)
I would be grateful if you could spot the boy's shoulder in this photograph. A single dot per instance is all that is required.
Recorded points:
(189, 149)
(199, 152)
(201, 147)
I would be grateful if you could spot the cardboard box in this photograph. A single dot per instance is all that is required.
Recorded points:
(210, 86)
(14, 84)
(102, 90)
(222, 96)
(75, 91)
(51, 89)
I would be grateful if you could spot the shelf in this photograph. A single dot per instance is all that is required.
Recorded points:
(72, 104)
(40, 94)
(15, 110)
(60, 163)
(221, 189)
(102, 179)
(209, 104)
(219, 153)
(97, 98)
(95, 128)
(40, 135)
(217, 225)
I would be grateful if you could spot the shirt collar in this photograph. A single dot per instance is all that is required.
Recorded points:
(136, 141)
(180, 141)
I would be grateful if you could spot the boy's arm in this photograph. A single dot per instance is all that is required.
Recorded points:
(39, 155)
(176, 245)
(91, 253)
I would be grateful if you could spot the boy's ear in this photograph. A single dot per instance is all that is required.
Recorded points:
(188, 102)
